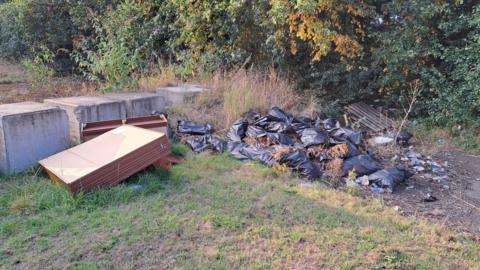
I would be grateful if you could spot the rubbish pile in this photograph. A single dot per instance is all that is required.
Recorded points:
(307, 146)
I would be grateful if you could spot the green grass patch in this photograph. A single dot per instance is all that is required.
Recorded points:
(214, 212)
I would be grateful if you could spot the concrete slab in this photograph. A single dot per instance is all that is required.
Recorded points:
(139, 104)
(29, 132)
(175, 95)
(85, 109)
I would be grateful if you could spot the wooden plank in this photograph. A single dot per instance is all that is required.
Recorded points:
(369, 117)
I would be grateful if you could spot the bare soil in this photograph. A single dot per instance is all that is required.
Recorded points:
(457, 206)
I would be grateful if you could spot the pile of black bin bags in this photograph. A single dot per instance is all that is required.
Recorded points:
(280, 138)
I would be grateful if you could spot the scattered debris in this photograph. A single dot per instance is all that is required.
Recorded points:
(192, 128)
(389, 178)
(381, 140)
(362, 164)
(315, 146)
(429, 198)
(202, 143)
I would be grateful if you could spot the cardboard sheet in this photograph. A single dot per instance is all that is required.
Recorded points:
(107, 159)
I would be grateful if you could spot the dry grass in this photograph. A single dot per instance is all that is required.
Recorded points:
(60, 87)
(334, 167)
(233, 94)
(165, 76)
(11, 72)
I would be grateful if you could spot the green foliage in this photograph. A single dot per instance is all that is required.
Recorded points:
(116, 50)
(39, 68)
(438, 44)
(340, 50)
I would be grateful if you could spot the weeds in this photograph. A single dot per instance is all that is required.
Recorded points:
(233, 94)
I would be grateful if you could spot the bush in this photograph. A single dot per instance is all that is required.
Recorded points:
(39, 68)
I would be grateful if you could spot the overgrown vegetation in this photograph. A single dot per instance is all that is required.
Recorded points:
(213, 212)
(340, 50)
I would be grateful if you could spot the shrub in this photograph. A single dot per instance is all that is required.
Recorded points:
(39, 69)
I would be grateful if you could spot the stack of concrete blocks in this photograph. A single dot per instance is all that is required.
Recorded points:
(176, 95)
(139, 104)
(83, 109)
(30, 131)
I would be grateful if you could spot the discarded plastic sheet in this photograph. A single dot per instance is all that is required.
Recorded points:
(363, 164)
(389, 178)
(298, 161)
(107, 159)
(202, 143)
(313, 136)
(342, 135)
(276, 114)
(255, 132)
(189, 127)
(238, 130)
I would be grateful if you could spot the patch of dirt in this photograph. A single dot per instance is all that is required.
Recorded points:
(458, 201)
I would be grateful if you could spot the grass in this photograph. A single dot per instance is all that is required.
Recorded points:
(11, 73)
(442, 138)
(213, 212)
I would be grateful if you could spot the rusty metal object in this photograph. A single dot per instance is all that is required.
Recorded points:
(107, 159)
(155, 122)
(369, 117)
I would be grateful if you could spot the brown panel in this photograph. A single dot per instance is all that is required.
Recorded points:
(107, 159)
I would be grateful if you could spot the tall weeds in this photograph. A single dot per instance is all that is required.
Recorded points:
(231, 95)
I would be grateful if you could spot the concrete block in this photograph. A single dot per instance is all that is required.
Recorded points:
(139, 104)
(85, 109)
(175, 95)
(29, 132)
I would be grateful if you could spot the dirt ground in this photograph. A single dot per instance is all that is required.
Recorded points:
(458, 200)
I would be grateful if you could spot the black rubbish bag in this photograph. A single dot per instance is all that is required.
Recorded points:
(352, 150)
(255, 131)
(403, 137)
(300, 123)
(235, 148)
(279, 138)
(341, 135)
(202, 143)
(189, 127)
(363, 164)
(389, 178)
(276, 114)
(313, 136)
(278, 127)
(258, 154)
(298, 161)
(243, 151)
(238, 130)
